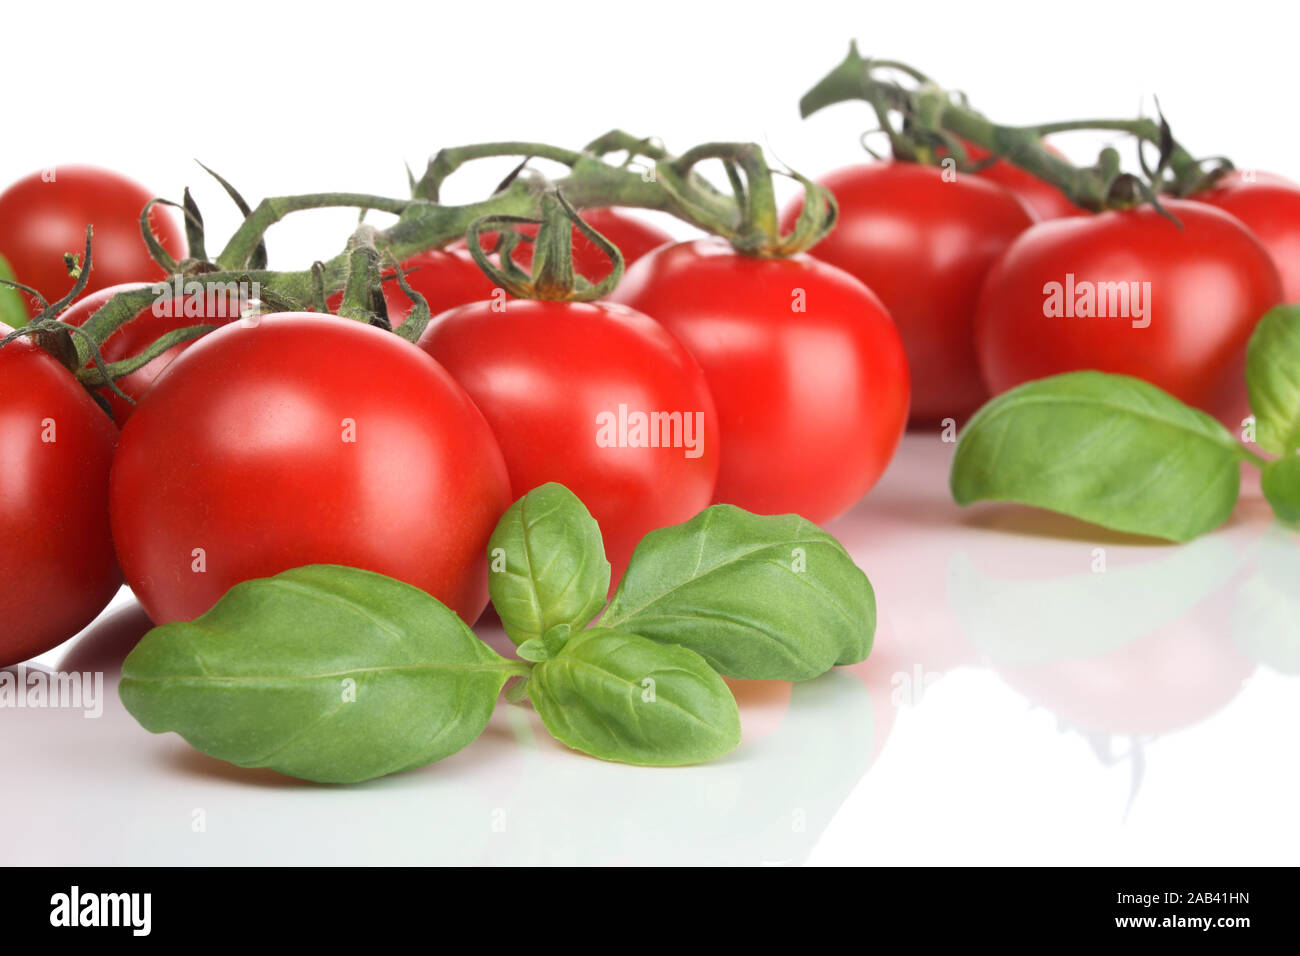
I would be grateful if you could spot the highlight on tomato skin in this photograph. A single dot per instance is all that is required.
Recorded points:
(805, 365)
(1269, 206)
(303, 439)
(44, 215)
(56, 551)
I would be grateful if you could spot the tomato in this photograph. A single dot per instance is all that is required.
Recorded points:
(633, 237)
(1044, 200)
(924, 244)
(304, 439)
(40, 221)
(1179, 303)
(138, 333)
(446, 279)
(806, 369)
(557, 380)
(1270, 207)
(57, 570)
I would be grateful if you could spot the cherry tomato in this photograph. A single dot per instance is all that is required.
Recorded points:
(40, 220)
(1044, 200)
(148, 325)
(304, 439)
(924, 244)
(57, 570)
(1270, 207)
(633, 237)
(806, 368)
(1133, 293)
(564, 386)
(446, 279)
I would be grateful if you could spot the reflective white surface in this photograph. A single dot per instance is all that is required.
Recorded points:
(1041, 691)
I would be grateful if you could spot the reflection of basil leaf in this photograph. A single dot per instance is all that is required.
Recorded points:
(325, 673)
(1273, 379)
(1280, 483)
(1109, 449)
(759, 597)
(548, 564)
(622, 697)
(13, 310)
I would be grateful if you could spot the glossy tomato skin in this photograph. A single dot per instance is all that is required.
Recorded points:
(1044, 200)
(446, 279)
(304, 439)
(1270, 208)
(57, 569)
(805, 365)
(1210, 282)
(924, 245)
(548, 376)
(634, 238)
(40, 221)
(137, 334)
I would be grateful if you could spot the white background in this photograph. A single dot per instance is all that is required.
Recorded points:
(284, 101)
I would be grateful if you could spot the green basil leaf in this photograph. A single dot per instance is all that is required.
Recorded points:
(13, 308)
(323, 672)
(1280, 482)
(1273, 379)
(758, 597)
(1109, 449)
(547, 563)
(620, 696)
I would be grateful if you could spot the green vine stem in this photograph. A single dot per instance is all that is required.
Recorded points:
(932, 119)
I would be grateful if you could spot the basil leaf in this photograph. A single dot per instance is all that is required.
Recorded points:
(325, 673)
(1273, 379)
(758, 597)
(620, 696)
(548, 564)
(1280, 482)
(1109, 449)
(13, 308)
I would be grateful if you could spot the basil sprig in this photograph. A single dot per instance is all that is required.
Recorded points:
(325, 673)
(1122, 453)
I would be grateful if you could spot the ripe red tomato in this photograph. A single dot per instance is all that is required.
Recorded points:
(1173, 306)
(924, 244)
(304, 439)
(1044, 200)
(134, 337)
(633, 237)
(57, 570)
(446, 279)
(806, 368)
(1270, 207)
(554, 380)
(40, 221)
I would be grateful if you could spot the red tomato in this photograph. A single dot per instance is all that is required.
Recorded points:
(805, 365)
(923, 245)
(633, 237)
(1270, 207)
(1044, 200)
(57, 570)
(40, 221)
(304, 439)
(1179, 304)
(554, 380)
(445, 278)
(148, 325)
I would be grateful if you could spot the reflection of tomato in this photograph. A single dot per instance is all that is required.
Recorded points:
(304, 439)
(805, 365)
(446, 279)
(923, 244)
(1270, 207)
(137, 334)
(544, 374)
(1201, 288)
(40, 221)
(57, 569)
